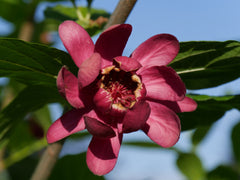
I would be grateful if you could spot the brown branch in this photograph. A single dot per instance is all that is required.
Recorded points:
(47, 161)
(26, 31)
(121, 12)
(50, 156)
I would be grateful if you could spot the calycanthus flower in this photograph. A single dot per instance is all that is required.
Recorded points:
(115, 94)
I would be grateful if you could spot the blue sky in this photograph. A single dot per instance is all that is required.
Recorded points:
(188, 20)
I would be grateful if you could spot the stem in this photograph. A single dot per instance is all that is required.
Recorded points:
(47, 161)
(50, 156)
(121, 12)
(26, 31)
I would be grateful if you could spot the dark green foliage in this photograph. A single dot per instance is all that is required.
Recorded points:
(223, 173)
(207, 64)
(73, 167)
(209, 110)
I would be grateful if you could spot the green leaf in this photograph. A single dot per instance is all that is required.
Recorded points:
(42, 117)
(80, 135)
(29, 100)
(207, 64)
(62, 13)
(209, 110)
(23, 169)
(223, 172)
(143, 144)
(73, 167)
(89, 3)
(27, 137)
(9, 10)
(235, 143)
(24, 152)
(190, 165)
(199, 134)
(30, 63)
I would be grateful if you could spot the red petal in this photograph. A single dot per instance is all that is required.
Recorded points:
(67, 85)
(102, 154)
(69, 123)
(112, 41)
(102, 101)
(89, 70)
(163, 125)
(127, 64)
(186, 105)
(76, 40)
(159, 50)
(163, 83)
(96, 127)
(136, 117)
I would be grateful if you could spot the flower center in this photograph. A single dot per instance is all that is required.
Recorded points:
(123, 87)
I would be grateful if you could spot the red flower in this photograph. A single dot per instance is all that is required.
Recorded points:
(114, 94)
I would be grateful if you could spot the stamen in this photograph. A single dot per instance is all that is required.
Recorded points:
(121, 86)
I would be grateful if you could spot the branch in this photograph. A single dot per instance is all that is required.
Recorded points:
(47, 161)
(121, 12)
(26, 31)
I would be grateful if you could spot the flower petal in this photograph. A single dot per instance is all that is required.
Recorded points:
(97, 127)
(127, 64)
(89, 70)
(186, 105)
(67, 85)
(163, 83)
(69, 123)
(136, 117)
(102, 154)
(112, 41)
(76, 40)
(158, 50)
(102, 100)
(163, 125)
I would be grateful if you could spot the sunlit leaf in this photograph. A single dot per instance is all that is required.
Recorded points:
(62, 13)
(93, 25)
(24, 152)
(73, 167)
(31, 63)
(191, 166)
(207, 64)
(209, 110)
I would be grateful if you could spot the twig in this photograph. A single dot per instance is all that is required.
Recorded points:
(47, 161)
(121, 12)
(51, 154)
(26, 31)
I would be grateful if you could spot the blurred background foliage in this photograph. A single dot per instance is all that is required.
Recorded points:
(32, 65)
